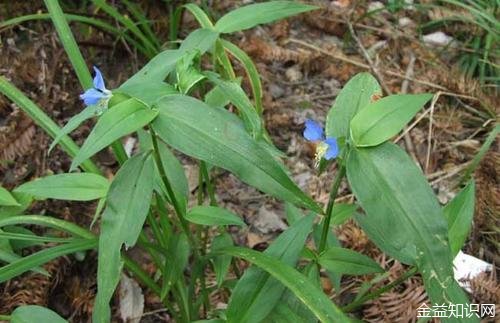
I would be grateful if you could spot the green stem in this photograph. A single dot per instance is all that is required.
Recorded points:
(199, 271)
(236, 270)
(210, 187)
(146, 280)
(227, 67)
(329, 208)
(170, 191)
(182, 300)
(119, 151)
(354, 305)
(159, 264)
(174, 18)
(156, 230)
(479, 156)
(203, 173)
(199, 191)
(4, 317)
(140, 274)
(163, 213)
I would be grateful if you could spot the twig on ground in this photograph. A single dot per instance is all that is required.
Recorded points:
(367, 57)
(412, 125)
(425, 113)
(447, 173)
(429, 134)
(355, 62)
(410, 147)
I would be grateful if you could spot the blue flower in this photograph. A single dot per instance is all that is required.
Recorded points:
(98, 94)
(327, 147)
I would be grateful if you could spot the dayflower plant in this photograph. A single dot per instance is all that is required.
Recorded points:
(98, 94)
(326, 147)
(146, 203)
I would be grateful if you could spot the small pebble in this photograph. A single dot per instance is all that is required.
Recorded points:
(276, 91)
(437, 38)
(293, 74)
(405, 22)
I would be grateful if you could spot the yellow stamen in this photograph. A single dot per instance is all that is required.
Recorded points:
(321, 149)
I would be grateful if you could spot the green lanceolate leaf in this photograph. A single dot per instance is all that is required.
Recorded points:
(403, 216)
(221, 263)
(290, 308)
(217, 137)
(128, 24)
(391, 205)
(32, 261)
(75, 121)
(256, 293)
(384, 118)
(314, 298)
(9, 256)
(35, 313)
(237, 96)
(200, 39)
(213, 215)
(482, 151)
(24, 201)
(47, 221)
(72, 187)
(6, 198)
(188, 72)
(157, 69)
(260, 13)
(293, 214)
(148, 92)
(216, 98)
(250, 69)
(21, 243)
(127, 206)
(143, 22)
(200, 15)
(30, 239)
(283, 313)
(356, 94)
(122, 119)
(345, 261)
(459, 213)
(69, 43)
(342, 212)
(178, 248)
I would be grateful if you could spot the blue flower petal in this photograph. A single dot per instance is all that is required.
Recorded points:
(313, 131)
(333, 148)
(98, 80)
(91, 96)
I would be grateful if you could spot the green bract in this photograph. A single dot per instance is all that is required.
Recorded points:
(380, 120)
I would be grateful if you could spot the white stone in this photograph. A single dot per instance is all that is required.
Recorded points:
(466, 267)
(131, 300)
(437, 38)
(405, 22)
(375, 5)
